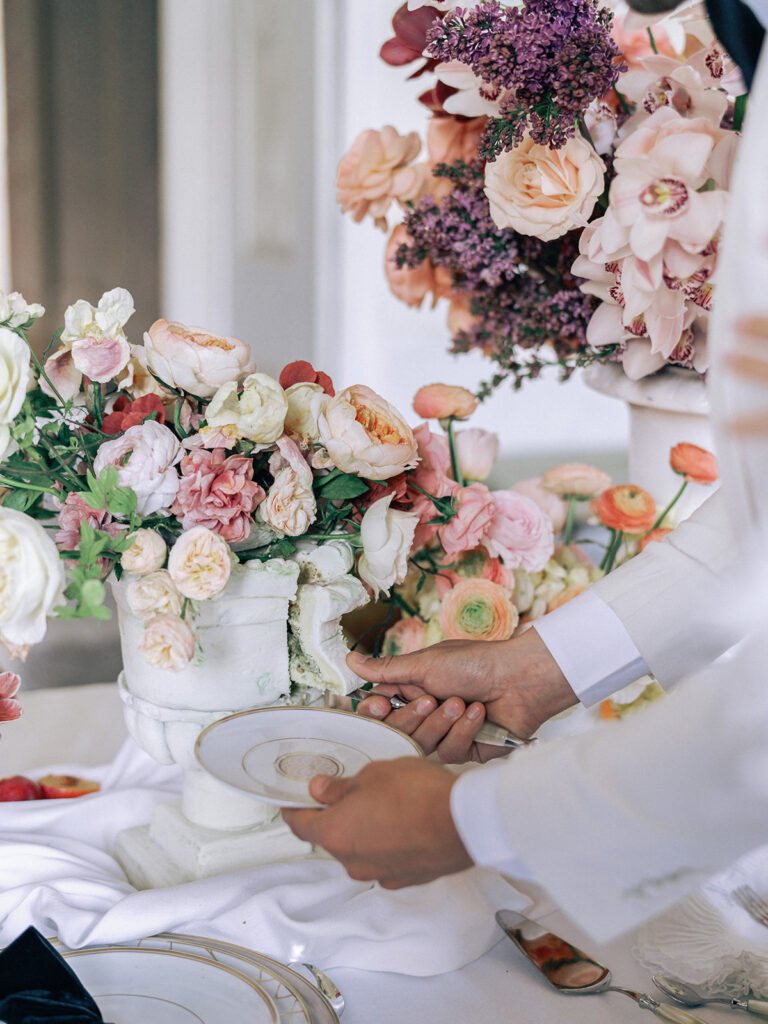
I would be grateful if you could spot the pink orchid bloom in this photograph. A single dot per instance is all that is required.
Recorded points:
(10, 709)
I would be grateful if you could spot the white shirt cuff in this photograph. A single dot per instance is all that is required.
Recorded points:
(595, 652)
(475, 811)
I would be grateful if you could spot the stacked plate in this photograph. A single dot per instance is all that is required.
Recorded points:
(181, 979)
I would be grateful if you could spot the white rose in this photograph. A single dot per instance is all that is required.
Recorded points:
(155, 594)
(168, 643)
(146, 554)
(152, 452)
(387, 536)
(290, 506)
(31, 578)
(14, 374)
(192, 359)
(544, 192)
(200, 563)
(258, 413)
(305, 402)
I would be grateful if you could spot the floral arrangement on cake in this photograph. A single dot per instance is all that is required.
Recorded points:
(571, 201)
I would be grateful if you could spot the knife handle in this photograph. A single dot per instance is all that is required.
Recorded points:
(757, 1006)
(497, 736)
(676, 1015)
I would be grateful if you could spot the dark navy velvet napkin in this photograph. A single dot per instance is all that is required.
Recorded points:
(37, 986)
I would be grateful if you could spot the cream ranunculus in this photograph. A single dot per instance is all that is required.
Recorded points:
(168, 643)
(544, 192)
(146, 554)
(155, 594)
(257, 413)
(31, 578)
(290, 506)
(16, 311)
(387, 536)
(364, 434)
(14, 374)
(305, 400)
(146, 457)
(192, 359)
(200, 563)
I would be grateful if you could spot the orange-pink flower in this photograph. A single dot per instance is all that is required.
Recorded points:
(626, 508)
(655, 535)
(439, 401)
(696, 464)
(411, 284)
(10, 709)
(575, 479)
(377, 169)
(477, 609)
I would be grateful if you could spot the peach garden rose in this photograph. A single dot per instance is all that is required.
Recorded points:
(200, 563)
(193, 359)
(153, 594)
(378, 169)
(168, 643)
(146, 554)
(365, 435)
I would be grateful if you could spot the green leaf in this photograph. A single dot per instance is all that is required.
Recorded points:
(342, 487)
(19, 500)
(92, 592)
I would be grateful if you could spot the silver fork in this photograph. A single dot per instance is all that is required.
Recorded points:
(753, 903)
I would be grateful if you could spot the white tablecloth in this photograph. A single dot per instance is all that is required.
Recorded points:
(84, 725)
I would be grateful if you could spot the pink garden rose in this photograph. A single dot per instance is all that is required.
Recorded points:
(10, 709)
(520, 534)
(405, 637)
(477, 451)
(439, 401)
(575, 479)
(217, 491)
(290, 506)
(475, 513)
(477, 609)
(168, 643)
(549, 503)
(378, 169)
(146, 457)
(193, 359)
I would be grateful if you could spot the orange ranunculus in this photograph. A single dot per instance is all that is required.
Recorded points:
(438, 401)
(477, 609)
(658, 534)
(566, 595)
(694, 463)
(626, 508)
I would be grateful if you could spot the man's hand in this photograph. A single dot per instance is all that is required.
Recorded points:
(517, 680)
(391, 823)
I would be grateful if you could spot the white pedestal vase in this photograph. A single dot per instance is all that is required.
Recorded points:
(664, 409)
(242, 661)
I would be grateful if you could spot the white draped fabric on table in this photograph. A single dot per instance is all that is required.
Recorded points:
(56, 871)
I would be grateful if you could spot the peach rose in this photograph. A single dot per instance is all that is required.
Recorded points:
(154, 594)
(696, 464)
(520, 534)
(475, 511)
(575, 480)
(290, 506)
(655, 535)
(460, 317)
(200, 563)
(258, 412)
(626, 508)
(544, 192)
(377, 169)
(192, 359)
(477, 609)
(405, 637)
(439, 401)
(168, 643)
(410, 285)
(365, 435)
(477, 451)
(450, 139)
(549, 503)
(146, 554)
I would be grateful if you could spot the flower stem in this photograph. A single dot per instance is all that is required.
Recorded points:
(455, 466)
(670, 506)
(739, 111)
(613, 549)
(568, 532)
(18, 485)
(654, 47)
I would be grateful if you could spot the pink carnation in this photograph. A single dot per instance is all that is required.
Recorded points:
(521, 534)
(475, 513)
(217, 491)
(10, 709)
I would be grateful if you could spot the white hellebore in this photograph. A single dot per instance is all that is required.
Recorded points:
(258, 413)
(146, 457)
(14, 374)
(31, 578)
(387, 536)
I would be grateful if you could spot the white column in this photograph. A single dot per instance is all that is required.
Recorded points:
(5, 225)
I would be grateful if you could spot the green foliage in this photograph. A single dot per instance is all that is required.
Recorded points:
(86, 589)
(105, 492)
(284, 547)
(338, 486)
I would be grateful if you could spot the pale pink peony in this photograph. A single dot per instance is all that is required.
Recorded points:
(405, 637)
(549, 503)
(575, 479)
(290, 506)
(365, 435)
(146, 554)
(477, 609)
(154, 594)
(475, 513)
(145, 456)
(10, 708)
(439, 401)
(477, 451)
(217, 491)
(168, 643)
(544, 192)
(411, 285)
(378, 169)
(192, 359)
(200, 563)
(521, 534)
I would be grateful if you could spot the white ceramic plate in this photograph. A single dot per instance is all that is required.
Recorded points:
(272, 753)
(169, 986)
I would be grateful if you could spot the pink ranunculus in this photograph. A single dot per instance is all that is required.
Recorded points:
(10, 708)
(145, 456)
(192, 359)
(378, 169)
(477, 451)
(101, 358)
(168, 643)
(475, 513)
(520, 534)
(549, 503)
(217, 491)
(477, 609)
(432, 472)
(439, 401)
(405, 637)
(410, 285)
(575, 479)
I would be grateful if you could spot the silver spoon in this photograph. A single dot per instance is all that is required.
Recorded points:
(688, 996)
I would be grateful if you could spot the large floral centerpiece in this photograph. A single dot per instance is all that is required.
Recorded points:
(571, 201)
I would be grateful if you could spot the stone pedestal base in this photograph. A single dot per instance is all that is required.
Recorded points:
(171, 850)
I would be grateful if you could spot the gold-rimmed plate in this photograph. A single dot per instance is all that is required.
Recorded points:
(272, 753)
(163, 985)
